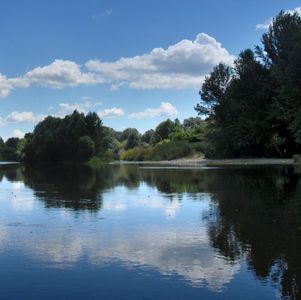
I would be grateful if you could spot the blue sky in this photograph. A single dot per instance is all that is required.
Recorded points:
(134, 62)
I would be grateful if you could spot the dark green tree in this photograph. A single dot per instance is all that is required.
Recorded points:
(148, 137)
(132, 141)
(282, 53)
(86, 148)
(213, 91)
(75, 137)
(163, 130)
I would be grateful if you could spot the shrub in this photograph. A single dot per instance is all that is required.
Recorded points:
(137, 154)
(167, 150)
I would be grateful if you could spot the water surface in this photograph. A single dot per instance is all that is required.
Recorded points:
(134, 232)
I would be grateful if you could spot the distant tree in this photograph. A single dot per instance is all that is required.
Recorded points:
(163, 130)
(75, 137)
(192, 123)
(127, 132)
(10, 150)
(12, 142)
(132, 141)
(148, 136)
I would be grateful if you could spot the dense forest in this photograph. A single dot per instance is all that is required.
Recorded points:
(249, 109)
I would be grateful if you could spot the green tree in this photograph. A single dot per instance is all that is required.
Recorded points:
(237, 102)
(132, 141)
(75, 137)
(86, 148)
(192, 123)
(163, 130)
(213, 91)
(282, 53)
(148, 137)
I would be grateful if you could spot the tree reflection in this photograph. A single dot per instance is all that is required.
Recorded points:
(255, 212)
(258, 216)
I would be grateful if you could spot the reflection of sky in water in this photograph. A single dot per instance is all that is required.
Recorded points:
(135, 227)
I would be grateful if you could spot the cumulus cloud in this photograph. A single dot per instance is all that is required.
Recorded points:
(265, 25)
(21, 117)
(18, 133)
(60, 74)
(182, 65)
(165, 109)
(111, 112)
(83, 107)
(5, 87)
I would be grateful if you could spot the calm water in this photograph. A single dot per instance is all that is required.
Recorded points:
(130, 232)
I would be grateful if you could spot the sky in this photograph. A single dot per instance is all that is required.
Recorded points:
(134, 62)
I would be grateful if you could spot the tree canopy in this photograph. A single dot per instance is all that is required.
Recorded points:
(254, 107)
(74, 138)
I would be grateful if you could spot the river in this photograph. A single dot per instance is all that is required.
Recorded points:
(150, 232)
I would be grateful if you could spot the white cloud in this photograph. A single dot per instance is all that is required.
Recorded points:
(267, 23)
(295, 10)
(68, 108)
(21, 117)
(5, 86)
(111, 112)
(165, 109)
(181, 65)
(60, 74)
(18, 133)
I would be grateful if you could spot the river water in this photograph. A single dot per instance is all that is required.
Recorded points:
(149, 232)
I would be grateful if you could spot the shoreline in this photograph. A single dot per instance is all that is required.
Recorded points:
(203, 162)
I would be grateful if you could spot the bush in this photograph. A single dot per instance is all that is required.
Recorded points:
(137, 154)
(167, 150)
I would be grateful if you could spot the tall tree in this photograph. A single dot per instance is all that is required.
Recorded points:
(213, 91)
(282, 52)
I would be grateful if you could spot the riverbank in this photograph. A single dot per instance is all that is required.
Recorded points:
(202, 162)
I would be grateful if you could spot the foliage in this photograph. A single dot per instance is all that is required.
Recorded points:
(148, 137)
(86, 148)
(167, 150)
(137, 154)
(163, 130)
(12, 149)
(254, 108)
(213, 92)
(132, 140)
(74, 138)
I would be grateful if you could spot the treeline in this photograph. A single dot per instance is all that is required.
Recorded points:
(253, 108)
(77, 137)
(169, 140)
(80, 137)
